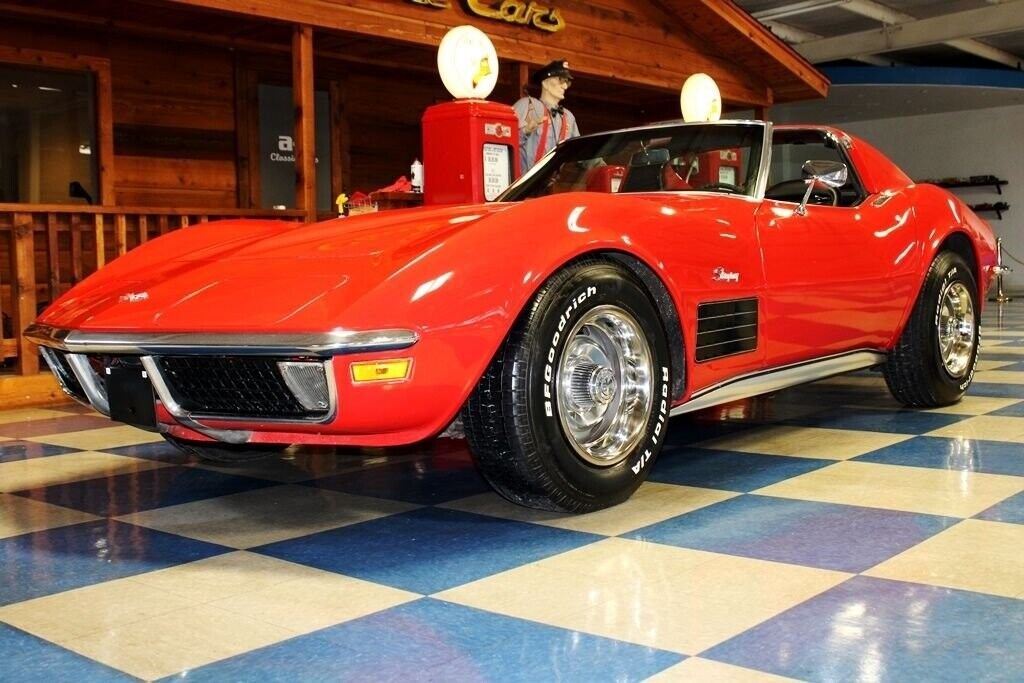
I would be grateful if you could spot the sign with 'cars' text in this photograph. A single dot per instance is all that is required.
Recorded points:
(522, 12)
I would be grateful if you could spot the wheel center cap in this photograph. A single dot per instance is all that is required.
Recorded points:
(603, 385)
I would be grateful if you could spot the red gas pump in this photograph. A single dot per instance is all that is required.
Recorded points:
(717, 166)
(470, 151)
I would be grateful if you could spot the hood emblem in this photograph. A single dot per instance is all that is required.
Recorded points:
(133, 297)
(720, 274)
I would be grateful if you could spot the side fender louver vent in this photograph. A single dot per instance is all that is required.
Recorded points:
(725, 328)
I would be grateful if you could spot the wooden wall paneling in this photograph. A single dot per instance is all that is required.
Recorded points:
(120, 234)
(662, 58)
(175, 129)
(53, 256)
(245, 132)
(24, 291)
(341, 151)
(99, 239)
(77, 256)
(303, 91)
(143, 229)
(522, 78)
(105, 133)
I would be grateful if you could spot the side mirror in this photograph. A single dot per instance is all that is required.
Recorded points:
(831, 174)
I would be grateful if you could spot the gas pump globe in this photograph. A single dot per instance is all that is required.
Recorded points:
(470, 145)
(700, 99)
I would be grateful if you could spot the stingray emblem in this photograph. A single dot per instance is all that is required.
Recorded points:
(133, 297)
(720, 274)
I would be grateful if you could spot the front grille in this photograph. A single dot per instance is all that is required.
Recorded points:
(237, 386)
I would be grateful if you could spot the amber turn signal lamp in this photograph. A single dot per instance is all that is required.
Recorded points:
(390, 370)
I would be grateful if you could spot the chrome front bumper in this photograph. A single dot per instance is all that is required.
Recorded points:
(324, 344)
(67, 353)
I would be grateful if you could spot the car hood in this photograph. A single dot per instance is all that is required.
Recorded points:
(286, 279)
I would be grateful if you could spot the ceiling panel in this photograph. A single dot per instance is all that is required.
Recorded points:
(835, 20)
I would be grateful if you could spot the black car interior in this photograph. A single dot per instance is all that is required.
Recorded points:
(790, 149)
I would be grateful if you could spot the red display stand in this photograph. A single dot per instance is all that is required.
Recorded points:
(470, 151)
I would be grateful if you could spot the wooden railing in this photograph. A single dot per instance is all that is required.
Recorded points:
(46, 249)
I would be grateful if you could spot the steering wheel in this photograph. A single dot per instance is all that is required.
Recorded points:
(722, 186)
(829, 190)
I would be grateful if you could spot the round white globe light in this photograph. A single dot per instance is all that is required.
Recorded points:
(467, 62)
(700, 99)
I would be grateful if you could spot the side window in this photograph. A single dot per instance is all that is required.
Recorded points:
(790, 149)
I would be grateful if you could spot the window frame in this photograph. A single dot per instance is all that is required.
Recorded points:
(844, 157)
(104, 105)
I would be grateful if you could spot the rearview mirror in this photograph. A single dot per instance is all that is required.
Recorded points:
(649, 157)
(831, 174)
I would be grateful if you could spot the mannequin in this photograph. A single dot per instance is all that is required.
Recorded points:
(543, 121)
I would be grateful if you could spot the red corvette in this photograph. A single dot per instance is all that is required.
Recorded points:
(630, 276)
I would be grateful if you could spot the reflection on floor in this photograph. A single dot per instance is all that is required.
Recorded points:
(820, 534)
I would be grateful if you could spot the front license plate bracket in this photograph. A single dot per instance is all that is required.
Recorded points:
(130, 396)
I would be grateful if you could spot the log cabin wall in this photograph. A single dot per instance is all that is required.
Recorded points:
(175, 119)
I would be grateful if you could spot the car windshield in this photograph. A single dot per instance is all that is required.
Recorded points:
(719, 157)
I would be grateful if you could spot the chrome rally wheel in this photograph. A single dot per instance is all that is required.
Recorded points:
(956, 329)
(605, 385)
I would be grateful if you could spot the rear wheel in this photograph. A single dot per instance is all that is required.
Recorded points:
(936, 356)
(572, 411)
(225, 453)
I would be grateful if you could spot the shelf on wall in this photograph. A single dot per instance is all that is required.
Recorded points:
(976, 181)
(998, 208)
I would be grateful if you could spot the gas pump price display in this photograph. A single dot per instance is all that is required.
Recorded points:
(497, 169)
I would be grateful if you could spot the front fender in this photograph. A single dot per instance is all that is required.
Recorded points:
(465, 293)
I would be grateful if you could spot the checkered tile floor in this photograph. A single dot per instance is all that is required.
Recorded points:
(821, 534)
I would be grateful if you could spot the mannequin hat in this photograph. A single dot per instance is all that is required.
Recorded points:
(559, 68)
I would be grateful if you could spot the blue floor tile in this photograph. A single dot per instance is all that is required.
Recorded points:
(995, 390)
(880, 630)
(46, 562)
(11, 451)
(429, 549)
(866, 419)
(145, 490)
(728, 470)
(992, 457)
(1015, 410)
(27, 658)
(840, 537)
(993, 354)
(1010, 510)
(423, 482)
(429, 640)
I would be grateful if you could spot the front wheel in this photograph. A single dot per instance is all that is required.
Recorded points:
(573, 410)
(934, 360)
